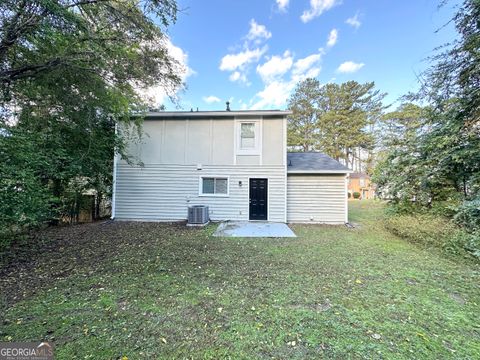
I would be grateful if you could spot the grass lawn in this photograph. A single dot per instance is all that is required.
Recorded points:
(147, 290)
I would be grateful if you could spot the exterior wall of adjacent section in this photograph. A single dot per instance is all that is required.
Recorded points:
(317, 199)
(172, 157)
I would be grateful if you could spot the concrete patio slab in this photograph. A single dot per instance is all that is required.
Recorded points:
(253, 229)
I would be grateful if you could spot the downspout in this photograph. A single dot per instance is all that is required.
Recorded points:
(285, 160)
(114, 180)
(346, 197)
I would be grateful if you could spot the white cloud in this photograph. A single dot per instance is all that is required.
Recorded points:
(242, 105)
(239, 63)
(275, 67)
(182, 57)
(309, 73)
(232, 62)
(332, 38)
(282, 4)
(235, 76)
(354, 21)
(317, 7)
(277, 88)
(302, 66)
(274, 94)
(238, 76)
(350, 67)
(157, 95)
(211, 99)
(258, 31)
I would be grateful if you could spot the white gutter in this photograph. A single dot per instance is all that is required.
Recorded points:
(114, 180)
(319, 171)
(213, 114)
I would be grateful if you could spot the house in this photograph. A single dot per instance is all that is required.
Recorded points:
(360, 182)
(235, 162)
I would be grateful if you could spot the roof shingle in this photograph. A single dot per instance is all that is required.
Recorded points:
(313, 162)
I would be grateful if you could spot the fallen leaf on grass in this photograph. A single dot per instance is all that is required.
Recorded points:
(423, 336)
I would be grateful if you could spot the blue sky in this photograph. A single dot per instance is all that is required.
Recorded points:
(254, 52)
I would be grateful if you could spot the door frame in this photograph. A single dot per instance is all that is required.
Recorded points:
(268, 196)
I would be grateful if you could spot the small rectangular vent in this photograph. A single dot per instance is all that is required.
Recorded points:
(198, 214)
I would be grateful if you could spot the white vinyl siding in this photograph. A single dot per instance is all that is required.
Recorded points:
(316, 199)
(159, 192)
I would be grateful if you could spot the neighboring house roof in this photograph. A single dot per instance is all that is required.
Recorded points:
(357, 175)
(314, 163)
(184, 115)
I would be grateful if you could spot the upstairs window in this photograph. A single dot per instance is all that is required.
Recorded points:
(249, 137)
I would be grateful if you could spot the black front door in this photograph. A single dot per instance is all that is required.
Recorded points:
(258, 199)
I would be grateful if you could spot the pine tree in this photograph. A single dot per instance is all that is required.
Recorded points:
(337, 119)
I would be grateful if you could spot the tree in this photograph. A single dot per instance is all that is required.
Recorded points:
(69, 71)
(303, 123)
(337, 119)
(118, 41)
(349, 113)
(24, 200)
(434, 156)
(455, 72)
(452, 86)
(402, 126)
(401, 173)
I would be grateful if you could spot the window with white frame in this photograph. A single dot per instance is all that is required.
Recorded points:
(214, 186)
(362, 182)
(248, 138)
(247, 135)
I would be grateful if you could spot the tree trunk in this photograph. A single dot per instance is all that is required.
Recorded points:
(98, 199)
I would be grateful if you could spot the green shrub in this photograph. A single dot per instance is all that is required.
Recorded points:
(473, 244)
(434, 231)
(24, 201)
(349, 195)
(447, 208)
(356, 195)
(421, 229)
(468, 215)
(402, 207)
